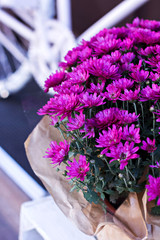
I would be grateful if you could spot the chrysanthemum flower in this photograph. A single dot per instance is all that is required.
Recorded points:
(96, 88)
(101, 68)
(91, 100)
(123, 83)
(127, 118)
(89, 128)
(123, 153)
(147, 51)
(127, 57)
(113, 57)
(57, 152)
(105, 118)
(112, 93)
(130, 95)
(131, 134)
(77, 122)
(62, 105)
(78, 76)
(109, 138)
(145, 23)
(157, 165)
(78, 168)
(103, 45)
(153, 189)
(154, 76)
(54, 80)
(148, 145)
(139, 76)
(70, 58)
(126, 44)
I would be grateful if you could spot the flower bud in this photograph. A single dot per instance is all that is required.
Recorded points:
(100, 178)
(92, 161)
(120, 175)
(147, 82)
(151, 109)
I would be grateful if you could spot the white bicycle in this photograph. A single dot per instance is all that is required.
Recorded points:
(33, 41)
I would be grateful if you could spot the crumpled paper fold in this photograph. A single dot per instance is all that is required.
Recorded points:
(131, 221)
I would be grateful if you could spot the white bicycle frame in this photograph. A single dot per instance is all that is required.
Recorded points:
(44, 13)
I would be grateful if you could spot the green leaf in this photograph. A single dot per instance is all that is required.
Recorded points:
(91, 196)
(137, 188)
(71, 154)
(109, 176)
(114, 197)
(120, 189)
(73, 188)
(96, 171)
(109, 191)
(102, 196)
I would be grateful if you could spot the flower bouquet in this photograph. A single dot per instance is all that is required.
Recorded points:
(102, 133)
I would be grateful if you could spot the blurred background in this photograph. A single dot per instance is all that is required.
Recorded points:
(25, 60)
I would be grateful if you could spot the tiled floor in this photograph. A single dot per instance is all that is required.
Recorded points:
(11, 198)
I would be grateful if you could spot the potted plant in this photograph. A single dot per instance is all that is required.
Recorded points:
(107, 107)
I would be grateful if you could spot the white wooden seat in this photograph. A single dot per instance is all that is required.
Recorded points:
(42, 219)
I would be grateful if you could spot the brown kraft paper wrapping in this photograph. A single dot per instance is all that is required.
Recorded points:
(128, 222)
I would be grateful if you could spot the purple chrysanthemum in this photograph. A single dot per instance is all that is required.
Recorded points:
(78, 168)
(153, 189)
(123, 83)
(130, 95)
(57, 152)
(91, 100)
(112, 93)
(139, 76)
(96, 88)
(77, 122)
(78, 76)
(109, 138)
(54, 80)
(149, 145)
(62, 105)
(101, 68)
(131, 134)
(123, 153)
(157, 165)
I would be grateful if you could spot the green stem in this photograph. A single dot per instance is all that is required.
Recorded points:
(123, 106)
(109, 166)
(142, 113)
(61, 132)
(153, 163)
(135, 108)
(127, 175)
(116, 104)
(154, 123)
(127, 106)
(125, 182)
(158, 105)
(131, 175)
(90, 113)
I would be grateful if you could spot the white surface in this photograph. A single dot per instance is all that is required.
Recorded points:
(42, 219)
(64, 12)
(20, 176)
